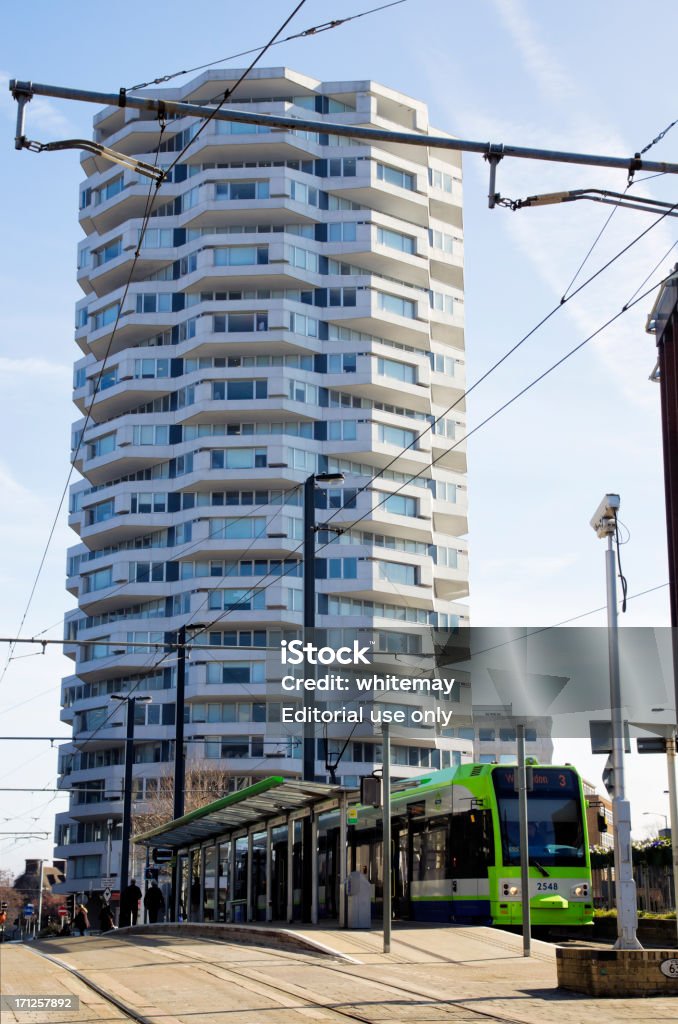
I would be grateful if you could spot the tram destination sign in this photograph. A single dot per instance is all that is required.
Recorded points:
(544, 780)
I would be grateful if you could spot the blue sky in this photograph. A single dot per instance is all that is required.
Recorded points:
(582, 78)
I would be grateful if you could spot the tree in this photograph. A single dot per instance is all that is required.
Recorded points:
(203, 785)
(11, 896)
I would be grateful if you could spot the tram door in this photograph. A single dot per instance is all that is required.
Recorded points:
(471, 856)
(259, 894)
(279, 877)
(328, 873)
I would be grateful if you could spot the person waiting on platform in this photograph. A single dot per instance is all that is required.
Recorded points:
(129, 904)
(154, 901)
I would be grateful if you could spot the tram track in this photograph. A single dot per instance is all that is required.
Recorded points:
(128, 1011)
(454, 1009)
(291, 996)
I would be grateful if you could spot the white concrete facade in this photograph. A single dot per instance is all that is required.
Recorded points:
(297, 307)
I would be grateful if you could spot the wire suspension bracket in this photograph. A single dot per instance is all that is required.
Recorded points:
(23, 93)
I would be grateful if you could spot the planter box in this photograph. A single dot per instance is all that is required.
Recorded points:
(618, 973)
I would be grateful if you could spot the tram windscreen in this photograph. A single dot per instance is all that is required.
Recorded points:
(555, 827)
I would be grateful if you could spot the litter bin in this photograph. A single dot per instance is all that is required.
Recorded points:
(359, 893)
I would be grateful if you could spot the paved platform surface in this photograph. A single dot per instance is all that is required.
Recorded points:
(461, 975)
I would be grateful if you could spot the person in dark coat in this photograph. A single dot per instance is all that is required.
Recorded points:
(106, 922)
(154, 901)
(81, 920)
(129, 904)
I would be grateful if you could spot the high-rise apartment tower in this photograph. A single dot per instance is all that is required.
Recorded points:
(296, 308)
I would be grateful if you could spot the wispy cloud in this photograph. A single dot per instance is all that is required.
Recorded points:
(44, 115)
(531, 566)
(554, 240)
(537, 59)
(9, 485)
(32, 368)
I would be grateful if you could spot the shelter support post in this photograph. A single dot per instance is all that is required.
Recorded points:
(343, 845)
(290, 871)
(269, 873)
(250, 858)
(314, 868)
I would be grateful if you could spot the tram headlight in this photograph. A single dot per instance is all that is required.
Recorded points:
(510, 890)
(581, 890)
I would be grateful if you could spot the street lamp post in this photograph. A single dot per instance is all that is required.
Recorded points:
(127, 791)
(308, 753)
(604, 522)
(308, 773)
(40, 880)
(658, 814)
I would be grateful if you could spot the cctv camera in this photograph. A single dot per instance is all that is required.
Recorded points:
(606, 512)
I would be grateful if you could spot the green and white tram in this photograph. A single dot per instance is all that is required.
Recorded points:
(456, 847)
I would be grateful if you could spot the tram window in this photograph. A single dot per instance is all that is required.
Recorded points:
(417, 809)
(429, 860)
(555, 830)
(472, 846)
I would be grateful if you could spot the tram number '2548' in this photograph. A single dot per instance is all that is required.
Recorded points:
(544, 886)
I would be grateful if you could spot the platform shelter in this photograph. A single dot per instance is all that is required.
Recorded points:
(275, 851)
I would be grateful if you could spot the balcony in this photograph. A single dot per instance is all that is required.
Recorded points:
(128, 204)
(371, 585)
(126, 393)
(368, 316)
(370, 383)
(367, 189)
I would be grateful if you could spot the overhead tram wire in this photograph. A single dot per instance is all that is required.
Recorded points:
(630, 183)
(504, 357)
(149, 207)
(88, 416)
(150, 201)
(654, 269)
(451, 447)
(229, 92)
(534, 632)
(528, 387)
(483, 377)
(465, 393)
(151, 666)
(625, 308)
(199, 647)
(226, 95)
(192, 547)
(289, 734)
(315, 30)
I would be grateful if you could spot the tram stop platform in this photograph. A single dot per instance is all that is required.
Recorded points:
(213, 974)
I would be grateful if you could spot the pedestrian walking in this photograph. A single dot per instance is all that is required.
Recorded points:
(81, 920)
(129, 904)
(154, 901)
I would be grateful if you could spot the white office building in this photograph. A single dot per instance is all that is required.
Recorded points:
(297, 307)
